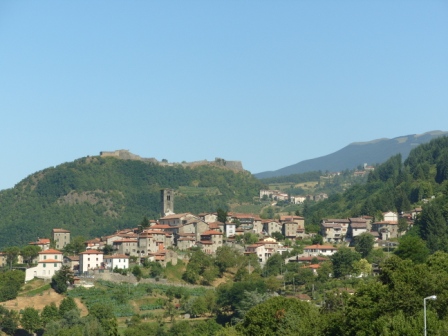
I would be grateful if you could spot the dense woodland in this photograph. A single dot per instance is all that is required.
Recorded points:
(95, 196)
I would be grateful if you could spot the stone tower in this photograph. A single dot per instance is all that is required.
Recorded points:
(167, 198)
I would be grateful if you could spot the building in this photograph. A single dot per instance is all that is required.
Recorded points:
(120, 261)
(315, 250)
(50, 261)
(90, 260)
(334, 230)
(43, 243)
(210, 241)
(61, 237)
(167, 200)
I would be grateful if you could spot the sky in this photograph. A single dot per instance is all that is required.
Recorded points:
(268, 83)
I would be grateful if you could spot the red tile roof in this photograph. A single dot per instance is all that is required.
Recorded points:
(50, 251)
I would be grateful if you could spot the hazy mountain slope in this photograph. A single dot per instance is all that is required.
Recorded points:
(95, 196)
(358, 153)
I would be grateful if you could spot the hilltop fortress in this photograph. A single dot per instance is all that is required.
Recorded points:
(125, 154)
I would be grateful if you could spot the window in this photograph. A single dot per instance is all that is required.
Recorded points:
(56, 257)
(45, 265)
(55, 265)
(88, 259)
(96, 259)
(45, 257)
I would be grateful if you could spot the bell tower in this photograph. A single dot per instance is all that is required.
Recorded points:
(167, 198)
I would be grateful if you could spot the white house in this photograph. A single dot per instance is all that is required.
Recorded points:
(315, 250)
(50, 261)
(120, 261)
(89, 260)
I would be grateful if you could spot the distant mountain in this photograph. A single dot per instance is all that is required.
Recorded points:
(358, 153)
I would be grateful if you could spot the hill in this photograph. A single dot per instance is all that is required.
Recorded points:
(394, 186)
(93, 196)
(358, 153)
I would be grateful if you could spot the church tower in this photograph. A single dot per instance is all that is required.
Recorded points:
(167, 198)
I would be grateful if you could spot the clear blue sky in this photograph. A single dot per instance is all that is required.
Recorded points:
(270, 83)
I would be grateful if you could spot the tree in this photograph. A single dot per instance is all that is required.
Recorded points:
(62, 279)
(108, 249)
(343, 261)
(137, 272)
(318, 239)
(30, 319)
(222, 215)
(76, 246)
(66, 305)
(413, 248)
(274, 265)
(433, 228)
(402, 225)
(49, 313)
(29, 253)
(364, 244)
(226, 257)
(9, 321)
(281, 316)
(11, 255)
(362, 267)
(106, 317)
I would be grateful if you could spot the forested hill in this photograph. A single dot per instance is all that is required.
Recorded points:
(95, 196)
(395, 186)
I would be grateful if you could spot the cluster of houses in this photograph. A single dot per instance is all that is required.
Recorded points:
(282, 196)
(159, 240)
(346, 229)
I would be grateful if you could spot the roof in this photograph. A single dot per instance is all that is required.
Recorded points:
(160, 226)
(50, 261)
(125, 241)
(335, 220)
(92, 252)
(60, 231)
(50, 251)
(175, 216)
(41, 241)
(210, 233)
(116, 256)
(320, 247)
(358, 225)
(72, 258)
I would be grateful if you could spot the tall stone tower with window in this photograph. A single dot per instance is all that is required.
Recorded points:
(167, 198)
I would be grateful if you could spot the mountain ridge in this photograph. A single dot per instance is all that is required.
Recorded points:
(357, 153)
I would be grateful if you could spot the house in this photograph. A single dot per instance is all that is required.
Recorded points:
(43, 243)
(270, 226)
(50, 261)
(334, 230)
(390, 216)
(356, 227)
(386, 229)
(208, 217)
(315, 250)
(186, 241)
(72, 262)
(264, 249)
(210, 241)
(61, 237)
(176, 219)
(126, 246)
(289, 229)
(90, 260)
(120, 261)
(230, 229)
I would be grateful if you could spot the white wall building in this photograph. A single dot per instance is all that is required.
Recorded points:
(120, 261)
(50, 261)
(89, 260)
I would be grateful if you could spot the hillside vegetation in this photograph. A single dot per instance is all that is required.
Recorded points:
(94, 196)
(393, 186)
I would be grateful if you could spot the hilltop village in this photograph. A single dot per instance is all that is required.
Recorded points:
(161, 240)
